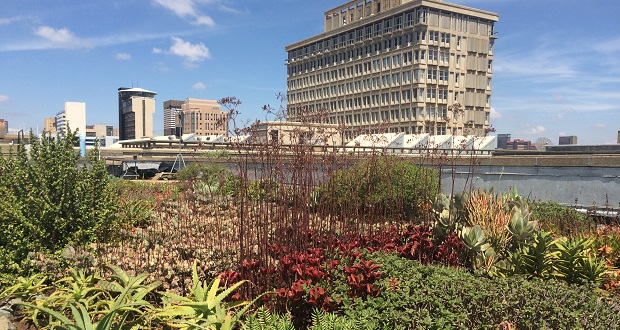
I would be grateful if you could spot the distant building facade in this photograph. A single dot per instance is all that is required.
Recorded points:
(49, 125)
(286, 132)
(412, 66)
(73, 117)
(4, 128)
(518, 144)
(102, 133)
(203, 117)
(172, 114)
(567, 140)
(136, 107)
(502, 141)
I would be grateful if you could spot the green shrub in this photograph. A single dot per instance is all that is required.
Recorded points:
(433, 297)
(383, 183)
(561, 220)
(255, 190)
(209, 173)
(48, 201)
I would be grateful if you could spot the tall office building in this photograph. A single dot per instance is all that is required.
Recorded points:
(203, 117)
(572, 139)
(172, 112)
(49, 125)
(4, 128)
(73, 117)
(136, 107)
(502, 141)
(104, 134)
(413, 66)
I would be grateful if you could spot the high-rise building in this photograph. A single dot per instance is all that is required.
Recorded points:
(49, 126)
(519, 144)
(73, 117)
(413, 66)
(203, 117)
(572, 139)
(502, 141)
(136, 107)
(102, 133)
(172, 112)
(4, 128)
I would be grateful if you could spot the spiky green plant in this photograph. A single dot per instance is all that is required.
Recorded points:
(205, 308)
(116, 304)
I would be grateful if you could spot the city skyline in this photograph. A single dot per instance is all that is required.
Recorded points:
(556, 67)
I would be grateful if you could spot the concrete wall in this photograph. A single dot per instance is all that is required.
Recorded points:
(583, 185)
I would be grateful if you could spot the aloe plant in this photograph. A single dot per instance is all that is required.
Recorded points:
(205, 308)
(578, 263)
(26, 287)
(83, 320)
(76, 287)
(540, 255)
(93, 303)
(592, 269)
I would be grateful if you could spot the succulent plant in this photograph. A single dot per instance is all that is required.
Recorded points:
(474, 239)
(520, 226)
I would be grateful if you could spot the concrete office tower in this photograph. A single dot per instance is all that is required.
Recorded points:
(413, 66)
(4, 128)
(49, 125)
(136, 107)
(172, 112)
(203, 117)
(563, 140)
(72, 117)
(102, 133)
(502, 141)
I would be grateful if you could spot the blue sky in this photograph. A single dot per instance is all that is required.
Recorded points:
(556, 67)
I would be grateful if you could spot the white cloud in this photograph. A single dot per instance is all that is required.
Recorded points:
(186, 9)
(204, 20)
(495, 114)
(600, 126)
(193, 52)
(608, 46)
(123, 56)
(185, 49)
(199, 86)
(535, 130)
(62, 37)
(9, 20)
(4, 98)
(99, 41)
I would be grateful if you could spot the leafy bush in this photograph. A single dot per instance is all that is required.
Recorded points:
(48, 201)
(255, 190)
(209, 173)
(433, 297)
(561, 220)
(383, 183)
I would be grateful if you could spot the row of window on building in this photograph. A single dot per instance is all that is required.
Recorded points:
(381, 47)
(455, 22)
